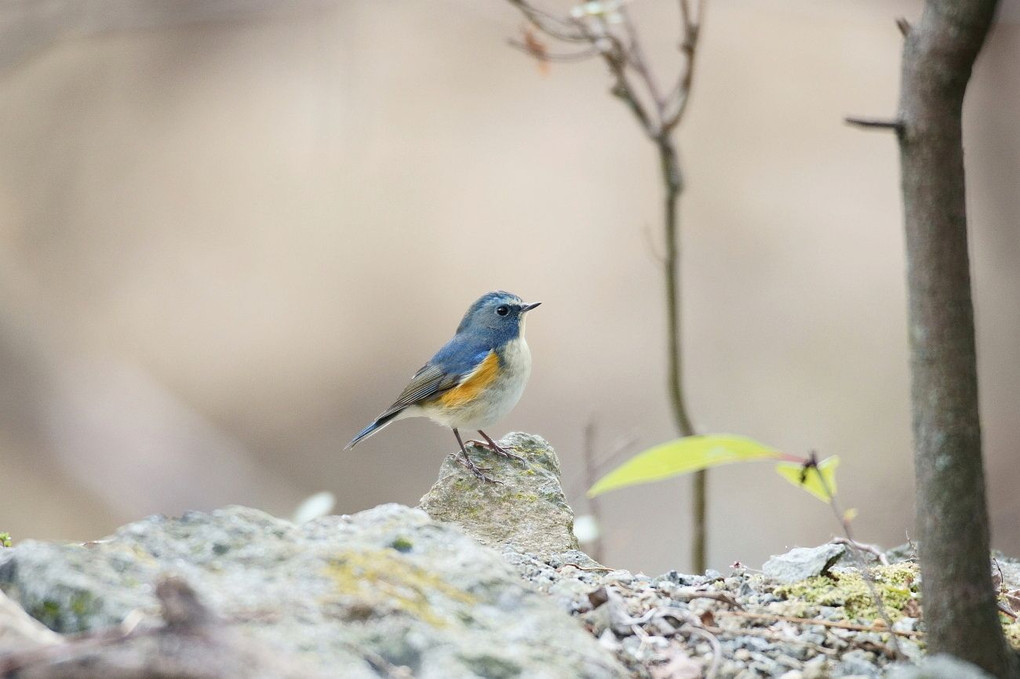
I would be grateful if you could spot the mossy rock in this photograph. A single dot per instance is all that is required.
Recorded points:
(897, 585)
(523, 508)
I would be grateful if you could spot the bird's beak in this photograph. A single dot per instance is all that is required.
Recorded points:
(529, 307)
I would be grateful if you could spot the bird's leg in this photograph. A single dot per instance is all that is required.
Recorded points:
(495, 447)
(468, 464)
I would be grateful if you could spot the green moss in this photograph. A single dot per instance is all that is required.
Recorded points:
(83, 604)
(472, 511)
(491, 667)
(5, 539)
(1010, 626)
(1012, 629)
(386, 580)
(402, 544)
(896, 584)
(48, 613)
(67, 615)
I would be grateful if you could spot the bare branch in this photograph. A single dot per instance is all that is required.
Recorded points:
(680, 94)
(876, 123)
(635, 85)
(623, 91)
(685, 15)
(546, 56)
(561, 29)
(637, 59)
(615, 58)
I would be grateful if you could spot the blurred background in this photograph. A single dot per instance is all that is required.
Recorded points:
(231, 231)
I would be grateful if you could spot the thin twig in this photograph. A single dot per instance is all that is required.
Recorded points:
(773, 636)
(870, 549)
(724, 597)
(653, 247)
(558, 28)
(634, 83)
(637, 60)
(600, 569)
(591, 475)
(617, 451)
(580, 485)
(616, 60)
(700, 630)
(546, 56)
(818, 621)
(866, 575)
(876, 123)
(680, 94)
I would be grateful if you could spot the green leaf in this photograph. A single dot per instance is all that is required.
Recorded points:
(681, 456)
(822, 487)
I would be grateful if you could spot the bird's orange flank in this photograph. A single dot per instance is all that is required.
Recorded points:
(467, 391)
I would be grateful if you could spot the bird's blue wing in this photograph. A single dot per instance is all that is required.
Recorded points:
(444, 371)
(451, 364)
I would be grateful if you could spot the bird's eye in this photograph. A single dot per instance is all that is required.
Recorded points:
(503, 310)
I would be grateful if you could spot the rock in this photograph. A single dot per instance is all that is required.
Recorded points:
(802, 563)
(940, 667)
(392, 592)
(525, 514)
(19, 630)
(858, 663)
(190, 643)
(906, 624)
(525, 510)
(349, 596)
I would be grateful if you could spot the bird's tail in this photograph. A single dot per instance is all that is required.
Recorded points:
(379, 423)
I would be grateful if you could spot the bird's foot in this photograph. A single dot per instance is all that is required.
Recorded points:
(479, 472)
(489, 444)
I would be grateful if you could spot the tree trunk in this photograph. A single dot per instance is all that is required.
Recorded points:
(958, 597)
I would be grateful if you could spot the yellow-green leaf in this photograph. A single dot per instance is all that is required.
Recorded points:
(822, 487)
(681, 456)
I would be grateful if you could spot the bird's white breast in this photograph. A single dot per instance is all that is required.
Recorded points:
(506, 391)
(496, 400)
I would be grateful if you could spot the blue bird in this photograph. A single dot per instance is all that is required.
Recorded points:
(474, 380)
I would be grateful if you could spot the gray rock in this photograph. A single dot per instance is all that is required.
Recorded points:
(940, 667)
(525, 510)
(190, 643)
(801, 563)
(858, 663)
(350, 596)
(905, 624)
(19, 630)
(393, 593)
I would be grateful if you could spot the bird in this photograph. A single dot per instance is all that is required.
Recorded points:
(473, 380)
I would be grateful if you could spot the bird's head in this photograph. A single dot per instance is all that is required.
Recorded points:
(497, 315)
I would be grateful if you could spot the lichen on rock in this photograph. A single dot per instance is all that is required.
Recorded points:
(897, 584)
(397, 592)
(387, 587)
(524, 509)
